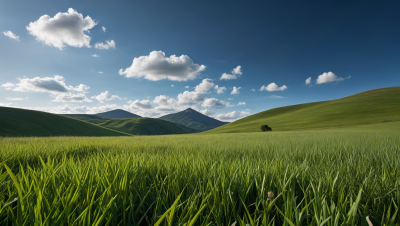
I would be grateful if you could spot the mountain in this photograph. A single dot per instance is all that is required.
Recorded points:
(21, 122)
(374, 106)
(147, 126)
(118, 114)
(193, 119)
(88, 118)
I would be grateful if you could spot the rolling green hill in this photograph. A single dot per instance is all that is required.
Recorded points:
(146, 126)
(88, 118)
(21, 122)
(374, 106)
(193, 119)
(118, 114)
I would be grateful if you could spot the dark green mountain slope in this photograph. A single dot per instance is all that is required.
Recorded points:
(21, 122)
(118, 114)
(147, 126)
(88, 118)
(374, 106)
(193, 119)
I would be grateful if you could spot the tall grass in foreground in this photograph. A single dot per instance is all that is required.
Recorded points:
(317, 178)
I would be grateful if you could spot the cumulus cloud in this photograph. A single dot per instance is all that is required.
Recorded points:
(236, 90)
(103, 28)
(54, 84)
(14, 98)
(207, 112)
(204, 86)
(156, 66)
(187, 87)
(236, 71)
(273, 87)
(328, 77)
(143, 104)
(105, 96)
(190, 97)
(163, 100)
(308, 81)
(241, 103)
(71, 97)
(172, 85)
(107, 45)
(219, 90)
(63, 29)
(11, 35)
(253, 90)
(95, 55)
(215, 103)
(8, 86)
(231, 116)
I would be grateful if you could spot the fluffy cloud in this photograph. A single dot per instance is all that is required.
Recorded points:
(241, 103)
(308, 81)
(105, 96)
(204, 86)
(163, 100)
(190, 97)
(273, 87)
(55, 84)
(236, 90)
(207, 112)
(328, 77)
(231, 116)
(103, 28)
(236, 71)
(11, 35)
(63, 29)
(95, 55)
(215, 103)
(143, 104)
(156, 66)
(253, 90)
(14, 98)
(71, 97)
(100, 72)
(187, 87)
(107, 45)
(219, 90)
(8, 86)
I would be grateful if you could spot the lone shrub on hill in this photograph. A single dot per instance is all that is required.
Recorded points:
(266, 128)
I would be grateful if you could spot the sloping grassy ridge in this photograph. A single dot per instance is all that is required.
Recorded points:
(147, 126)
(21, 122)
(374, 106)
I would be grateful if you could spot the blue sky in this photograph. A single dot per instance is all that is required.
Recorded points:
(158, 57)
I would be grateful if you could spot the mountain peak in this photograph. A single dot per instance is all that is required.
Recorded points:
(118, 114)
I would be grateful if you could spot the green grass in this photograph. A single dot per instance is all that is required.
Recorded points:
(336, 176)
(374, 106)
(21, 122)
(95, 119)
(146, 126)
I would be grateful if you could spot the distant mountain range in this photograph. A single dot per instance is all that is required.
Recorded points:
(118, 114)
(193, 119)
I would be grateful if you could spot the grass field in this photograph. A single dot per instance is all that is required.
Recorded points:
(318, 177)
(373, 106)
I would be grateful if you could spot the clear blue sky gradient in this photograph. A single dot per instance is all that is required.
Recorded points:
(284, 42)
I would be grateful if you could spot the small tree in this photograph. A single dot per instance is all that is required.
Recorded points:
(266, 128)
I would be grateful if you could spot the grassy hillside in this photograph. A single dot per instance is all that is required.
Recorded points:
(21, 122)
(374, 106)
(88, 118)
(193, 119)
(147, 126)
(118, 114)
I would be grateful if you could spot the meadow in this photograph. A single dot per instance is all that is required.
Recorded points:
(317, 177)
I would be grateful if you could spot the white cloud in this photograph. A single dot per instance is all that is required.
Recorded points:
(71, 97)
(11, 35)
(190, 97)
(215, 103)
(8, 86)
(253, 90)
(328, 77)
(63, 29)
(308, 81)
(241, 103)
(107, 45)
(95, 55)
(54, 84)
(274, 96)
(172, 85)
(236, 90)
(14, 98)
(273, 87)
(236, 71)
(207, 112)
(230, 98)
(187, 87)
(204, 86)
(163, 100)
(143, 104)
(105, 96)
(231, 116)
(156, 66)
(103, 28)
(100, 72)
(219, 90)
